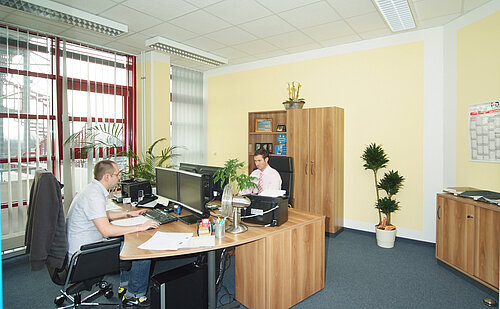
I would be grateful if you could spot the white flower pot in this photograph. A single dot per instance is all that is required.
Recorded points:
(385, 239)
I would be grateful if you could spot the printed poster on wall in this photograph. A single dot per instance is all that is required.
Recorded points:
(484, 132)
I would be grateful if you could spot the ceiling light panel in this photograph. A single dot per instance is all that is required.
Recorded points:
(179, 49)
(396, 13)
(62, 13)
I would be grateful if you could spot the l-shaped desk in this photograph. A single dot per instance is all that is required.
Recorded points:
(276, 267)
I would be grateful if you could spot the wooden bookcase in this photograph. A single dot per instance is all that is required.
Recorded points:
(277, 118)
(315, 141)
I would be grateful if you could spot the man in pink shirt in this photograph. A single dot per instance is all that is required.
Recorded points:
(267, 177)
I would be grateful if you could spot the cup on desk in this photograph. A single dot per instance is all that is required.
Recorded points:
(220, 228)
(177, 209)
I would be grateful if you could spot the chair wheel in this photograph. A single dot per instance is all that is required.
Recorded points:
(108, 294)
(59, 300)
(104, 285)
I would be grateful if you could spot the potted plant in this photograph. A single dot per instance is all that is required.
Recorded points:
(294, 102)
(229, 173)
(375, 158)
(109, 138)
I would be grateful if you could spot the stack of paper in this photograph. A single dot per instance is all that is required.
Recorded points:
(166, 241)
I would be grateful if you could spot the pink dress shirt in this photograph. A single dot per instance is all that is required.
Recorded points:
(271, 180)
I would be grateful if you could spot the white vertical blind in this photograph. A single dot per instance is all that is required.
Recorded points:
(187, 115)
(95, 84)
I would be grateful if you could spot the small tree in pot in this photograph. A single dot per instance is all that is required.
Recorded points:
(375, 158)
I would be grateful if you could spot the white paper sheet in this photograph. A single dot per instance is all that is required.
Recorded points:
(166, 241)
(130, 221)
(273, 193)
(110, 205)
(204, 241)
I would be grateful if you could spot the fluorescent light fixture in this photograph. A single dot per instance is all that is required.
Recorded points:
(179, 49)
(63, 13)
(396, 13)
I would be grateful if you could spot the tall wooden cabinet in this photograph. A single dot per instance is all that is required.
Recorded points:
(316, 143)
(315, 140)
(468, 237)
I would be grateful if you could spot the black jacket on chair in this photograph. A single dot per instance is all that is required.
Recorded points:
(45, 237)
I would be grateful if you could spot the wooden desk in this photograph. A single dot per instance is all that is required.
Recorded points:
(276, 267)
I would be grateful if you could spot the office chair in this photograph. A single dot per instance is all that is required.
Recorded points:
(284, 166)
(87, 268)
(46, 242)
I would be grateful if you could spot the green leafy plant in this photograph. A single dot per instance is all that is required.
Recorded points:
(144, 166)
(229, 172)
(110, 136)
(107, 136)
(375, 158)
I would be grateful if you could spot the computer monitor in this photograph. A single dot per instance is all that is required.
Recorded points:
(167, 183)
(193, 193)
(215, 188)
(190, 167)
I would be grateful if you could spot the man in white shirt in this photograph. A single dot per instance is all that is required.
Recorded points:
(267, 178)
(89, 222)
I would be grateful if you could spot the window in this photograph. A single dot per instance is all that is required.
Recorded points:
(49, 89)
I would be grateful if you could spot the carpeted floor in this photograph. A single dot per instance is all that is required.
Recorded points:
(358, 275)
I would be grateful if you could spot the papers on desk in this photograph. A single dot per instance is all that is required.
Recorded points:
(130, 221)
(175, 241)
(273, 193)
(204, 241)
(110, 205)
(166, 241)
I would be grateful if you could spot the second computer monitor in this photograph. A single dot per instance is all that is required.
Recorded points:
(192, 192)
(167, 183)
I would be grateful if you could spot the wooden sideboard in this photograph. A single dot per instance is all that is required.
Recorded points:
(468, 237)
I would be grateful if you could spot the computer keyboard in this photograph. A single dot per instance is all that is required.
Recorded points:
(159, 216)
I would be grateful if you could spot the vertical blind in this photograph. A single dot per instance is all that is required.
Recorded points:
(188, 125)
(49, 89)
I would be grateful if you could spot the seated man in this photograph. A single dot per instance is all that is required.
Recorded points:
(88, 222)
(267, 177)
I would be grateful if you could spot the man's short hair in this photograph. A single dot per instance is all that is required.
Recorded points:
(104, 167)
(261, 152)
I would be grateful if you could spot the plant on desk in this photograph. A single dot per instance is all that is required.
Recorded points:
(375, 158)
(229, 173)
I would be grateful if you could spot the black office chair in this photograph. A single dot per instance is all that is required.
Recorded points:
(86, 269)
(284, 166)
(46, 242)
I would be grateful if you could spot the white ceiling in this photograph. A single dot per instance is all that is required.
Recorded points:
(240, 30)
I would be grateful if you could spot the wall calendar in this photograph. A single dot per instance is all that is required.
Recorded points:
(484, 132)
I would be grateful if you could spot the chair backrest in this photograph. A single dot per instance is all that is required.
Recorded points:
(284, 166)
(95, 260)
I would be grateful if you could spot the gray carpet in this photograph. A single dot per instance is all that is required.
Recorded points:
(358, 275)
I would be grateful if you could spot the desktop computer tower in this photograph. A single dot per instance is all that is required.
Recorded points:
(182, 287)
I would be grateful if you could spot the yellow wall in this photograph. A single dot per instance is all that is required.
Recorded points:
(157, 86)
(381, 91)
(478, 76)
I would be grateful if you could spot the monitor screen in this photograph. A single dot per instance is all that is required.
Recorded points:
(167, 183)
(191, 192)
(217, 187)
(190, 167)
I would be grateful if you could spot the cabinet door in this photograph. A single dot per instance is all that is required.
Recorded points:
(322, 156)
(487, 245)
(456, 242)
(440, 236)
(298, 148)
